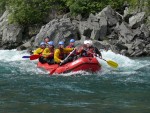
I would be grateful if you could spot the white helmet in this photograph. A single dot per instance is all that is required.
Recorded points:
(88, 42)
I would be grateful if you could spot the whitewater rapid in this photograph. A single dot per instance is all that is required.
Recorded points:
(13, 59)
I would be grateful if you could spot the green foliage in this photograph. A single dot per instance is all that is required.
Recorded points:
(92, 6)
(31, 11)
(34, 11)
(2, 5)
(140, 5)
(148, 7)
(85, 6)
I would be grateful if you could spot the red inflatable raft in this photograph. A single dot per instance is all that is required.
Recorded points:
(89, 64)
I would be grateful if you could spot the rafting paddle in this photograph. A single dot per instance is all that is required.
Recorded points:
(109, 62)
(32, 57)
(26, 57)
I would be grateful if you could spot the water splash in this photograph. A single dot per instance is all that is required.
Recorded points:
(12, 55)
(126, 64)
(14, 59)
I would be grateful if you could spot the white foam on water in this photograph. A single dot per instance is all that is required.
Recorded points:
(126, 65)
(25, 65)
(75, 73)
(12, 55)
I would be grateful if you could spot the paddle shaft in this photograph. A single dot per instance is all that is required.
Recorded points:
(32, 57)
(109, 62)
(62, 62)
(67, 56)
(25, 56)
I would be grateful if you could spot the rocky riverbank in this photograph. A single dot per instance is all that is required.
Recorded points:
(127, 34)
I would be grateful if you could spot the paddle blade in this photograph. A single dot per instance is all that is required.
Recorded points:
(26, 57)
(52, 71)
(112, 63)
(34, 57)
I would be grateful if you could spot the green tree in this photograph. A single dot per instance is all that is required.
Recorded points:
(92, 6)
(2, 5)
(31, 11)
(28, 12)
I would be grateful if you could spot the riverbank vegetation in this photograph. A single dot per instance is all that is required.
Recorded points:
(28, 12)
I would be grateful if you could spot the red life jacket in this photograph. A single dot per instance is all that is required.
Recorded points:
(90, 52)
(81, 50)
(61, 55)
(52, 53)
(70, 46)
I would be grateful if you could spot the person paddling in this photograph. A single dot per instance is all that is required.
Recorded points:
(73, 56)
(48, 54)
(88, 50)
(60, 52)
(46, 40)
(39, 50)
(71, 45)
(91, 50)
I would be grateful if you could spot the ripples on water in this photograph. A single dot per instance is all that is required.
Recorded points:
(26, 89)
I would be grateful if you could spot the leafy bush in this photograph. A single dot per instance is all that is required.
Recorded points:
(2, 5)
(29, 11)
(35, 11)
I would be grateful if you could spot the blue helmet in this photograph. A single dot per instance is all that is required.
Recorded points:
(61, 43)
(72, 40)
(50, 43)
(42, 43)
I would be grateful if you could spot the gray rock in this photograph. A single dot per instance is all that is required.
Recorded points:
(124, 52)
(114, 48)
(83, 26)
(139, 47)
(28, 45)
(94, 27)
(24, 46)
(93, 18)
(136, 32)
(136, 20)
(130, 51)
(138, 53)
(129, 46)
(10, 34)
(126, 33)
(101, 44)
(111, 16)
(148, 46)
(57, 30)
(99, 29)
(121, 47)
(145, 30)
(148, 22)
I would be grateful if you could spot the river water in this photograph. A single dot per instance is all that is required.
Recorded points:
(27, 89)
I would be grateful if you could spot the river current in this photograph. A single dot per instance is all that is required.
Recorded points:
(26, 89)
